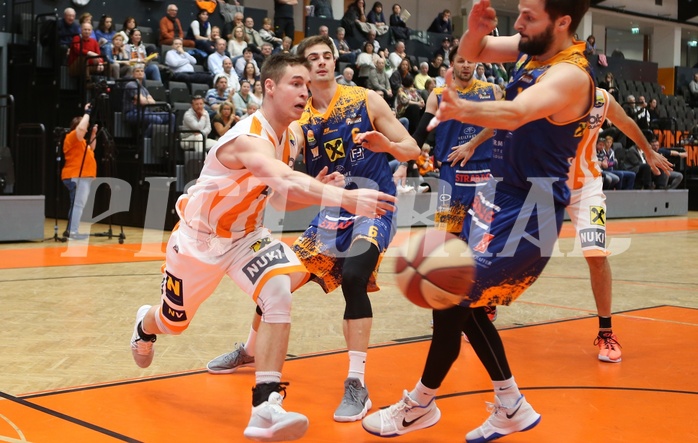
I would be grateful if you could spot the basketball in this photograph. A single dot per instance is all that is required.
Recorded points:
(435, 269)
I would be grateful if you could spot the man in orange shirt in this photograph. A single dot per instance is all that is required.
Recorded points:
(79, 170)
(171, 28)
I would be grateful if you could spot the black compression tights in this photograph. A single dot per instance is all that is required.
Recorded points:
(357, 269)
(447, 339)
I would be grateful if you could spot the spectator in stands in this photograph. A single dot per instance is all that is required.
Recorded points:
(500, 73)
(232, 16)
(285, 47)
(409, 103)
(325, 32)
(218, 94)
(322, 8)
(66, 29)
(352, 16)
(347, 77)
(626, 179)
(137, 53)
(398, 28)
(421, 78)
(480, 73)
(247, 56)
(181, 63)
(444, 50)
(119, 60)
(250, 109)
(136, 96)
(243, 97)
(238, 43)
(442, 23)
(257, 94)
(395, 57)
(429, 86)
(379, 81)
(224, 119)
(86, 17)
(376, 16)
(609, 84)
(79, 170)
(83, 52)
(693, 90)
(250, 74)
(267, 33)
(610, 180)
(590, 48)
(230, 75)
(425, 163)
(371, 38)
(673, 180)
(105, 31)
(171, 28)
(366, 62)
(435, 65)
(200, 32)
(266, 50)
(653, 109)
(397, 78)
(129, 25)
(283, 18)
(634, 161)
(215, 60)
(642, 116)
(253, 37)
(440, 80)
(346, 54)
(197, 119)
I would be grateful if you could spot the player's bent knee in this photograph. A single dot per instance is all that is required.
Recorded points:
(275, 300)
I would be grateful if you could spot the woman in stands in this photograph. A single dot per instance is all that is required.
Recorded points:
(238, 43)
(137, 54)
(609, 84)
(250, 74)
(397, 77)
(119, 59)
(105, 31)
(409, 103)
(224, 119)
(129, 25)
(366, 62)
(200, 32)
(653, 109)
(257, 95)
(242, 98)
(398, 27)
(375, 15)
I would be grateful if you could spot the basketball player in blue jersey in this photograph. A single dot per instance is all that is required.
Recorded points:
(346, 130)
(512, 231)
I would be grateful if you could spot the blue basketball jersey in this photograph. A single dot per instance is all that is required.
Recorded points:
(329, 141)
(541, 148)
(454, 133)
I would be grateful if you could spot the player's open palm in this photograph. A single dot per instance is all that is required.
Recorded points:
(368, 202)
(482, 19)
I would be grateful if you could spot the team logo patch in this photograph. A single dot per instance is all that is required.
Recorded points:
(597, 215)
(173, 315)
(260, 244)
(579, 132)
(256, 267)
(356, 154)
(174, 289)
(593, 237)
(335, 149)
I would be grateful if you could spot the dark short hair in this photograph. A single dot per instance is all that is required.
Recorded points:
(574, 8)
(312, 41)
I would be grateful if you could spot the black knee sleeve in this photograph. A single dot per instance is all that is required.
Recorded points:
(357, 269)
(487, 344)
(445, 345)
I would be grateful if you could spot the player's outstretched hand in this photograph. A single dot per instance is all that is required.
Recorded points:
(335, 179)
(368, 202)
(482, 18)
(451, 104)
(659, 163)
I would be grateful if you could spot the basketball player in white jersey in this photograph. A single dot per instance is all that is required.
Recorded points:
(221, 233)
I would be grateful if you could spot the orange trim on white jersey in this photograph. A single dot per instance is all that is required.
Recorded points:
(585, 166)
(231, 202)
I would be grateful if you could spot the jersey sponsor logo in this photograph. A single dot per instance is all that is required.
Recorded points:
(593, 237)
(353, 120)
(173, 315)
(469, 130)
(256, 267)
(465, 177)
(595, 121)
(328, 131)
(260, 244)
(174, 289)
(356, 154)
(600, 101)
(579, 132)
(335, 225)
(597, 215)
(335, 149)
(482, 246)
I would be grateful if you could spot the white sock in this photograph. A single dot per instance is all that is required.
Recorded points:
(507, 391)
(357, 365)
(421, 394)
(251, 340)
(267, 377)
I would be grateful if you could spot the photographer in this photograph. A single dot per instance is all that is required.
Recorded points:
(79, 170)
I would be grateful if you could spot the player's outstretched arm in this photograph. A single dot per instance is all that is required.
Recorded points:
(257, 156)
(390, 136)
(629, 127)
(477, 45)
